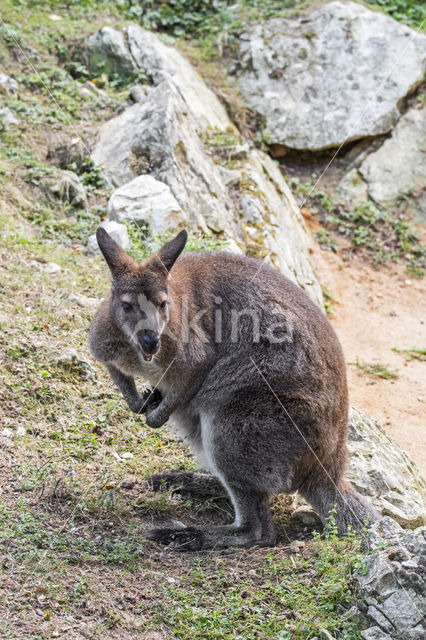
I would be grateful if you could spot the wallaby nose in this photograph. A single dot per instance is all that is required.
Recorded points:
(150, 341)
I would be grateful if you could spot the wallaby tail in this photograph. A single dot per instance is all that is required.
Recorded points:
(340, 501)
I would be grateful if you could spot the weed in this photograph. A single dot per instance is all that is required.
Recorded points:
(376, 370)
(326, 240)
(328, 300)
(414, 352)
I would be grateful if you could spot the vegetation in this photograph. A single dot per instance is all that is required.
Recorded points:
(379, 235)
(376, 370)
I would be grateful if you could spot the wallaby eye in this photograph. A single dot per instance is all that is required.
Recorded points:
(164, 304)
(126, 306)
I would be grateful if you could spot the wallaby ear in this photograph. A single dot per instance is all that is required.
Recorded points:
(169, 253)
(116, 258)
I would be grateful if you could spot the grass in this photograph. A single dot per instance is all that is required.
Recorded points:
(413, 353)
(376, 370)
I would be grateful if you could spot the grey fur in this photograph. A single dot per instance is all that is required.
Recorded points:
(263, 413)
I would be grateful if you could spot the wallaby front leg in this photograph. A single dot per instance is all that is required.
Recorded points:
(158, 414)
(127, 386)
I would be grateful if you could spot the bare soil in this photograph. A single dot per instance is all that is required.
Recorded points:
(376, 311)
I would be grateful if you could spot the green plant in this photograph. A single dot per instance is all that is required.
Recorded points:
(414, 352)
(376, 369)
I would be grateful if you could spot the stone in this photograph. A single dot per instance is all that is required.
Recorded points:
(146, 200)
(107, 51)
(67, 187)
(398, 167)
(135, 50)
(20, 431)
(375, 633)
(305, 516)
(382, 471)
(6, 433)
(167, 138)
(8, 84)
(117, 231)
(70, 362)
(390, 594)
(52, 268)
(7, 117)
(352, 189)
(308, 78)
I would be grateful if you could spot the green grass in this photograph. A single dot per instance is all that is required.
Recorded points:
(376, 370)
(413, 353)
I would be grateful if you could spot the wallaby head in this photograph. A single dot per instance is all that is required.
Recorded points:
(140, 304)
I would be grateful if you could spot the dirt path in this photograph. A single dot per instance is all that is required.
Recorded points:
(375, 311)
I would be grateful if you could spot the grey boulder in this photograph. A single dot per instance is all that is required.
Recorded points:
(335, 76)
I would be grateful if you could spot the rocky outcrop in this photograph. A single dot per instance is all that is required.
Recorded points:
(391, 589)
(335, 76)
(173, 136)
(382, 471)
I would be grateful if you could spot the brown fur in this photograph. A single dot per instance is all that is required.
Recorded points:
(264, 413)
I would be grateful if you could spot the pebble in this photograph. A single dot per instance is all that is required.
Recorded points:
(20, 431)
(296, 546)
(127, 455)
(52, 267)
(6, 433)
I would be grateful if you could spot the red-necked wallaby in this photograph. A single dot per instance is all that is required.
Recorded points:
(246, 368)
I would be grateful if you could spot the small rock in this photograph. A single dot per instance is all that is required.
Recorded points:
(68, 188)
(116, 230)
(71, 362)
(8, 84)
(6, 433)
(306, 517)
(127, 455)
(20, 431)
(7, 117)
(296, 546)
(52, 267)
(375, 633)
(83, 301)
(138, 93)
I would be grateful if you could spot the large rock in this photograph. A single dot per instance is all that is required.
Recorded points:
(172, 136)
(145, 199)
(398, 167)
(335, 76)
(391, 592)
(382, 471)
(135, 49)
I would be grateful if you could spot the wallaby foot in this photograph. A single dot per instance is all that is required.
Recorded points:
(253, 526)
(198, 538)
(199, 484)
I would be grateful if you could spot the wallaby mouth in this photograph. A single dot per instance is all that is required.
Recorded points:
(149, 343)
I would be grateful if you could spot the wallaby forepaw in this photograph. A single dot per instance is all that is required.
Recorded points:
(188, 539)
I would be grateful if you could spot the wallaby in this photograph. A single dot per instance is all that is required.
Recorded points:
(246, 369)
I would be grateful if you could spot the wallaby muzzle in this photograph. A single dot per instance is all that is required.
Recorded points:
(149, 342)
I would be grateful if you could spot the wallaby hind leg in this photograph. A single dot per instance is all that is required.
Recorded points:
(253, 526)
(199, 484)
(340, 500)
